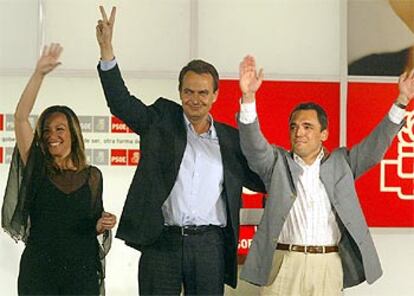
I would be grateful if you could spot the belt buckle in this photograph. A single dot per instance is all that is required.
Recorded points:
(183, 231)
(305, 250)
(323, 250)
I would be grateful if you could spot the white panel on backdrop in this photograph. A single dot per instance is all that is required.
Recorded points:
(19, 28)
(289, 37)
(149, 36)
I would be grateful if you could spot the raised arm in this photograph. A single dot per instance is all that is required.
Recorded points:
(259, 153)
(371, 150)
(48, 61)
(132, 111)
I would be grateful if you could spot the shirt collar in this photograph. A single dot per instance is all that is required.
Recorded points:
(210, 133)
(302, 163)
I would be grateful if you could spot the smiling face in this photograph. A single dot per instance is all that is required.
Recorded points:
(56, 135)
(197, 95)
(306, 137)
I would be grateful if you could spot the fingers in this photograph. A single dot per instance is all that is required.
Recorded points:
(112, 16)
(411, 75)
(402, 77)
(105, 19)
(107, 220)
(44, 51)
(55, 50)
(247, 66)
(51, 54)
(103, 13)
(261, 75)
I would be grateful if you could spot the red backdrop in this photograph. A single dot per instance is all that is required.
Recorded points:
(383, 207)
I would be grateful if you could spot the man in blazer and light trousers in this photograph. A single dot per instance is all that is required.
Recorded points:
(313, 238)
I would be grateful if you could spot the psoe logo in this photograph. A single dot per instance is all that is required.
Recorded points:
(397, 175)
(1, 154)
(133, 156)
(118, 126)
(119, 157)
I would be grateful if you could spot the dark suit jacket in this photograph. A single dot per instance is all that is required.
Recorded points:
(163, 140)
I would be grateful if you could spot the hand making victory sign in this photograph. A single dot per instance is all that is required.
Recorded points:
(104, 31)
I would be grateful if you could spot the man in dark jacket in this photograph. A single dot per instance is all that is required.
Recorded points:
(182, 209)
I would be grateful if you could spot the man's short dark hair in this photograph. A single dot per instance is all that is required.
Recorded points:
(199, 67)
(322, 117)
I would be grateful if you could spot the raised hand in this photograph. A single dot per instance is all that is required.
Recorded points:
(104, 30)
(49, 59)
(406, 86)
(250, 81)
(106, 222)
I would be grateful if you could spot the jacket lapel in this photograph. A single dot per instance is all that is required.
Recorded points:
(294, 170)
(327, 175)
(180, 142)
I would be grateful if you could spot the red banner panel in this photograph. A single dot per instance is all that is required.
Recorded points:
(253, 200)
(1, 122)
(119, 157)
(245, 240)
(275, 101)
(386, 192)
(118, 126)
(133, 156)
(1, 154)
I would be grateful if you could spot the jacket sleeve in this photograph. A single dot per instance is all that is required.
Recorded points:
(132, 111)
(371, 150)
(260, 155)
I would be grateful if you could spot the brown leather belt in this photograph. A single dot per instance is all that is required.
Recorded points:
(307, 249)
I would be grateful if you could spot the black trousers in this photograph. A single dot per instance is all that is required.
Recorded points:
(194, 262)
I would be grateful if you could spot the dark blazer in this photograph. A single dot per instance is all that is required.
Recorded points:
(163, 140)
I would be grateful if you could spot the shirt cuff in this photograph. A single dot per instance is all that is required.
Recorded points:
(107, 65)
(396, 114)
(248, 112)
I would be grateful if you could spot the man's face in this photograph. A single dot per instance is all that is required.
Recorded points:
(197, 95)
(306, 137)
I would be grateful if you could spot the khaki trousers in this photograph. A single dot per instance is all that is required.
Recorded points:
(300, 274)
